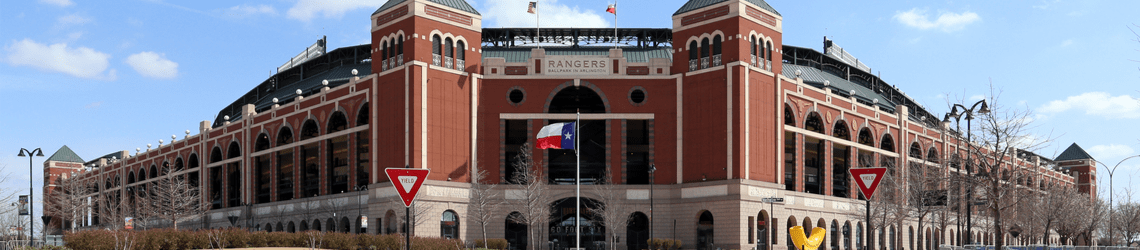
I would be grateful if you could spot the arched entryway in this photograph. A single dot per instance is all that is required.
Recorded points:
(562, 233)
(762, 230)
(591, 136)
(637, 232)
(705, 231)
(515, 232)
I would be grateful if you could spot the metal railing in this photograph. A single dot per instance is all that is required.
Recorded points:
(447, 62)
(384, 65)
(716, 60)
(435, 60)
(693, 65)
(704, 62)
(753, 59)
(459, 64)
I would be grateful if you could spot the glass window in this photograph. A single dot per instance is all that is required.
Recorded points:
(790, 161)
(449, 225)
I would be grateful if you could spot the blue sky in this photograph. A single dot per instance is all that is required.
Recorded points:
(117, 75)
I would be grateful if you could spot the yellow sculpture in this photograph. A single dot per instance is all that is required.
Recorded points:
(802, 241)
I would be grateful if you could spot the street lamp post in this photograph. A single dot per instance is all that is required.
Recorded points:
(1111, 206)
(969, 112)
(31, 211)
(652, 170)
(359, 212)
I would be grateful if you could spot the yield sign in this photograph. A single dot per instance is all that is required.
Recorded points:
(407, 182)
(868, 179)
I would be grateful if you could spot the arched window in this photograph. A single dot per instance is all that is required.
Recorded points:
(835, 234)
(932, 155)
(262, 143)
(769, 57)
(460, 49)
(866, 138)
(789, 116)
(761, 48)
(915, 151)
(841, 131)
(449, 225)
(153, 171)
(193, 176)
(384, 49)
(262, 169)
(337, 122)
(234, 150)
(178, 165)
(310, 130)
(285, 162)
(142, 174)
(435, 43)
(131, 177)
(637, 231)
(400, 47)
(705, 231)
(752, 47)
(363, 143)
(448, 48)
(337, 154)
(705, 48)
(814, 123)
(310, 160)
(216, 155)
(716, 50)
(233, 175)
(693, 50)
(285, 136)
(887, 143)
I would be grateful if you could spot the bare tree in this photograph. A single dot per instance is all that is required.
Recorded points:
(484, 202)
(534, 197)
(173, 199)
(334, 208)
(1125, 220)
(924, 190)
(1003, 140)
(67, 202)
(888, 205)
(112, 209)
(612, 208)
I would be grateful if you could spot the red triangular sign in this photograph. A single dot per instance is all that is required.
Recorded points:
(868, 179)
(407, 182)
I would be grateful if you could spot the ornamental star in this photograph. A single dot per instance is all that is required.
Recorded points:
(569, 136)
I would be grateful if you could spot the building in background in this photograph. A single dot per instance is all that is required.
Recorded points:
(718, 106)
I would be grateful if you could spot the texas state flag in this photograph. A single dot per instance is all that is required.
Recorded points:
(557, 136)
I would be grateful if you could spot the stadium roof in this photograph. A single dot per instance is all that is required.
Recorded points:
(456, 4)
(697, 4)
(64, 154)
(1074, 152)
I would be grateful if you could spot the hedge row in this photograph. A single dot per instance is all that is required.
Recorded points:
(664, 244)
(234, 238)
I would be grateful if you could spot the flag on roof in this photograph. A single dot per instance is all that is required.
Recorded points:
(557, 136)
(612, 9)
(532, 7)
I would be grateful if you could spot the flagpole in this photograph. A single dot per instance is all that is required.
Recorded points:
(615, 25)
(577, 183)
(538, 28)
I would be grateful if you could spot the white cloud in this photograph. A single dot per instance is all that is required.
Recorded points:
(1110, 151)
(153, 65)
(73, 19)
(1066, 42)
(79, 62)
(946, 21)
(512, 13)
(306, 10)
(1097, 103)
(975, 98)
(246, 10)
(1046, 4)
(60, 3)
